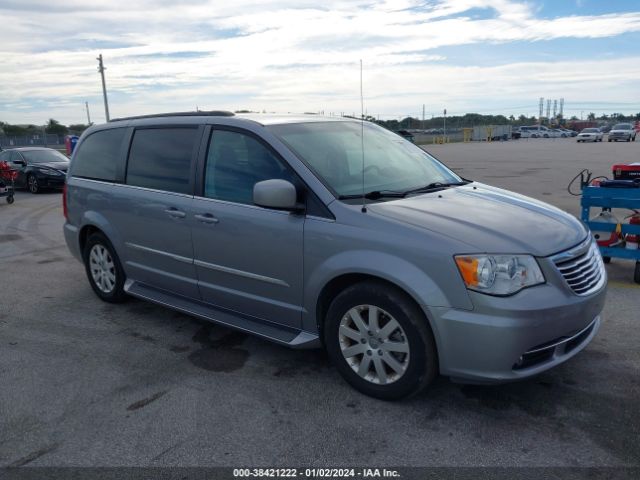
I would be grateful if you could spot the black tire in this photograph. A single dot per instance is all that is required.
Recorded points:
(636, 274)
(608, 140)
(10, 199)
(422, 366)
(32, 184)
(117, 294)
(606, 259)
(629, 139)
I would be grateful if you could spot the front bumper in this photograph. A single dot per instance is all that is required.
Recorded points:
(620, 136)
(511, 338)
(47, 181)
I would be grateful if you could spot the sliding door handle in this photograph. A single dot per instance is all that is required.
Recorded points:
(175, 213)
(206, 218)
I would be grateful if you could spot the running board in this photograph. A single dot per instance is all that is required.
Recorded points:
(291, 337)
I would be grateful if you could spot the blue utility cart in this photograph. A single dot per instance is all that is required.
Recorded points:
(627, 198)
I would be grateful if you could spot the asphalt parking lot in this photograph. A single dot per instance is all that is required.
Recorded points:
(84, 383)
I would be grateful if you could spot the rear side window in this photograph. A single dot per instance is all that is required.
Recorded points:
(160, 158)
(98, 155)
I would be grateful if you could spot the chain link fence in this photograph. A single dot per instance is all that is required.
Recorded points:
(34, 140)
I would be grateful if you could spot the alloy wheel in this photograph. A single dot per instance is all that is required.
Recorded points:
(33, 184)
(103, 269)
(374, 344)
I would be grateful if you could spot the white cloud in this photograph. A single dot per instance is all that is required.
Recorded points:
(286, 55)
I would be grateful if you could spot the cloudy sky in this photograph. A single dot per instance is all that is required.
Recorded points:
(485, 56)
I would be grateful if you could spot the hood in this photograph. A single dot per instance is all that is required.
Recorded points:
(62, 166)
(489, 220)
(621, 131)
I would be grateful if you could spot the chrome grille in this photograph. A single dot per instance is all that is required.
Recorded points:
(582, 268)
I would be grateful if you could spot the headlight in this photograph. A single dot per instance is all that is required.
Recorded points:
(499, 274)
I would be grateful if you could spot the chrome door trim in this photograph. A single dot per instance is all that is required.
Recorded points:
(240, 273)
(244, 205)
(179, 258)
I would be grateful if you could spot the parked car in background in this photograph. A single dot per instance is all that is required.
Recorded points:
(622, 131)
(558, 132)
(530, 132)
(38, 168)
(544, 132)
(590, 135)
(257, 222)
(569, 133)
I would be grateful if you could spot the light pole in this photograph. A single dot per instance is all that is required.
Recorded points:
(101, 69)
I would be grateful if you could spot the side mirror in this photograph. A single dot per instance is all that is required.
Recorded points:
(277, 194)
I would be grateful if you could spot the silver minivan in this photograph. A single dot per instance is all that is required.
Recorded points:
(334, 233)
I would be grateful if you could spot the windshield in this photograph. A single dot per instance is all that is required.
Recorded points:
(44, 156)
(590, 130)
(622, 126)
(333, 150)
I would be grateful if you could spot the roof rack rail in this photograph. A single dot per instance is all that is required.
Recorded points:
(199, 113)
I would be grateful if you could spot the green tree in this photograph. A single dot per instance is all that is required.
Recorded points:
(14, 130)
(54, 126)
(78, 127)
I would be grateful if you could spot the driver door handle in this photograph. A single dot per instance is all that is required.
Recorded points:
(206, 218)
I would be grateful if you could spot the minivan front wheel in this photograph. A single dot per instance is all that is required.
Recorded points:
(103, 269)
(380, 341)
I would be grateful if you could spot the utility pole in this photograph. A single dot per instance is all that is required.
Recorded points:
(101, 69)
(548, 109)
(445, 122)
(86, 105)
(423, 116)
(541, 112)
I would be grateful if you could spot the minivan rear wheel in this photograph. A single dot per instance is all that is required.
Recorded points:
(380, 341)
(103, 268)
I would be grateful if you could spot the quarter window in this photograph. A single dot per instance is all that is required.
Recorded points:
(160, 158)
(235, 163)
(98, 155)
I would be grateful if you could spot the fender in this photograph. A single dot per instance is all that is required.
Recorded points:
(407, 276)
(96, 219)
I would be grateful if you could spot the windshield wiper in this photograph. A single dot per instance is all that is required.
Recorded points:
(374, 195)
(434, 186)
(378, 194)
